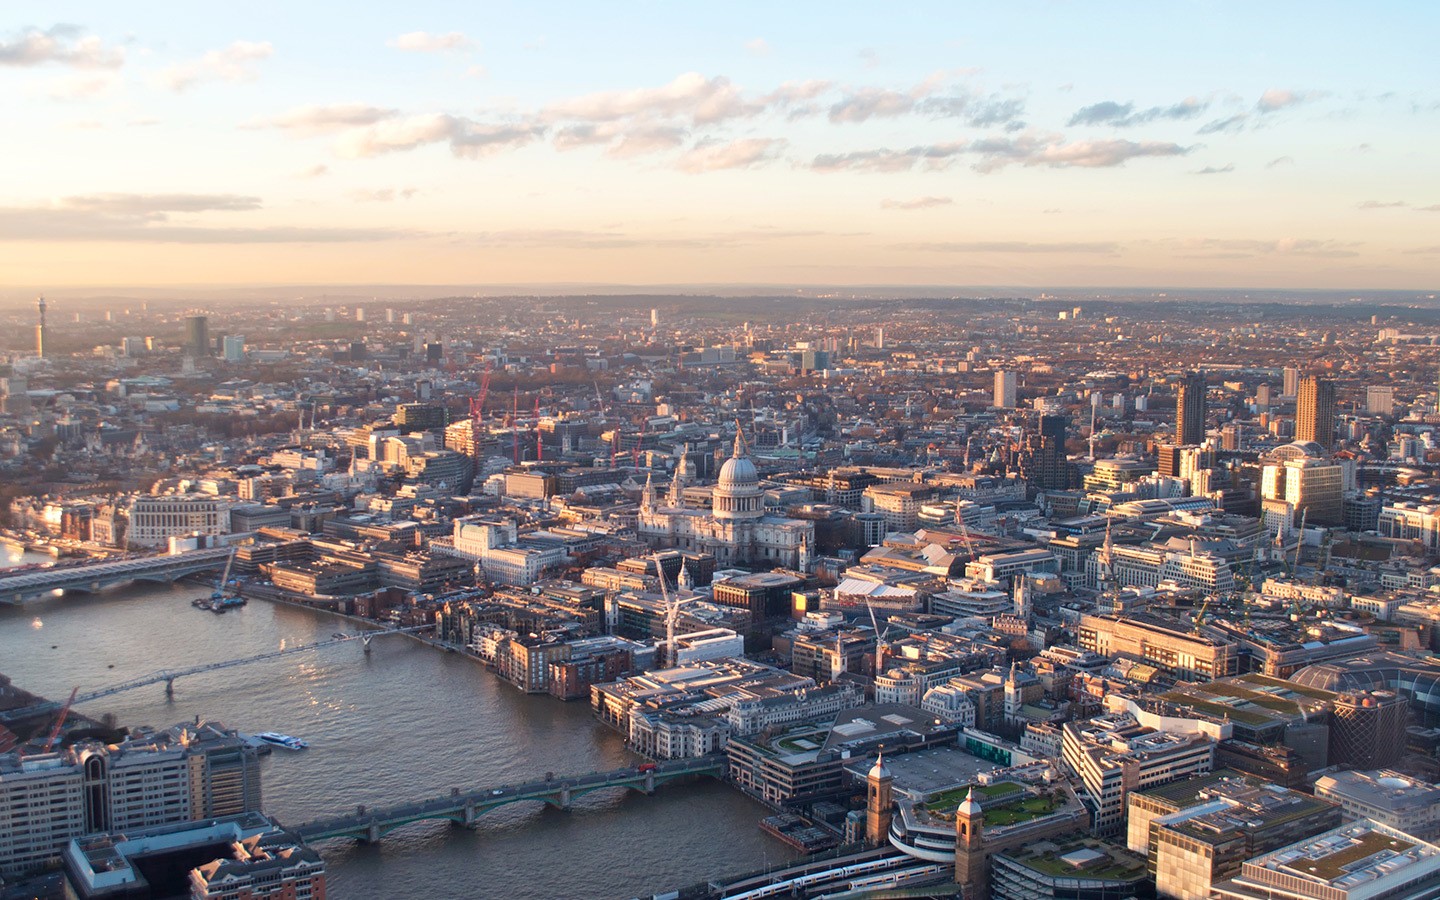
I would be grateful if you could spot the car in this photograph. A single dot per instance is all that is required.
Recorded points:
(647, 767)
(497, 792)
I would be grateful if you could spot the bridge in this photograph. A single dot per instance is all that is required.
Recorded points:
(90, 577)
(464, 808)
(169, 676)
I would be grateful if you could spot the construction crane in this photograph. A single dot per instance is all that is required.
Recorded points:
(515, 424)
(672, 614)
(60, 720)
(539, 445)
(1200, 616)
(477, 411)
(219, 593)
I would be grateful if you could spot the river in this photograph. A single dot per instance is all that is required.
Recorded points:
(403, 722)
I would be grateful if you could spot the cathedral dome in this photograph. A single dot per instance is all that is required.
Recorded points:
(738, 472)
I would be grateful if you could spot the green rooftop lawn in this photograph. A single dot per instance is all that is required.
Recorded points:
(1020, 811)
(1113, 869)
(1333, 866)
(948, 800)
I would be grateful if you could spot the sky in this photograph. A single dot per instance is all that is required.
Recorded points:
(1031, 144)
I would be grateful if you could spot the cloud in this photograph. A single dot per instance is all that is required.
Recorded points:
(1239, 248)
(703, 100)
(310, 121)
(996, 153)
(232, 63)
(741, 154)
(1432, 208)
(626, 140)
(425, 42)
(1215, 170)
(1433, 250)
(757, 47)
(1277, 99)
(60, 44)
(117, 217)
(865, 103)
(466, 137)
(1124, 115)
(887, 160)
(1229, 125)
(1105, 247)
(315, 171)
(82, 87)
(383, 195)
(1280, 161)
(1380, 204)
(156, 205)
(917, 203)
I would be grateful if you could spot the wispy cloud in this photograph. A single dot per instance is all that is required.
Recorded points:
(466, 137)
(1102, 247)
(427, 42)
(1125, 115)
(1054, 153)
(233, 63)
(1280, 161)
(1277, 99)
(741, 154)
(1228, 125)
(83, 86)
(917, 203)
(1381, 204)
(310, 121)
(702, 100)
(1215, 170)
(864, 103)
(383, 195)
(64, 45)
(1237, 248)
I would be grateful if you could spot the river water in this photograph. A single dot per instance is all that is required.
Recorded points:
(403, 722)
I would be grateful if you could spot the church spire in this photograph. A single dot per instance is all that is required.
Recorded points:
(740, 451)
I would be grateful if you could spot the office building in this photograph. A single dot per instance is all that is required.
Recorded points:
(1079, 867)
(197, 336)
(1290, 386)
(1367, 729)
(1315, 411)
(1005, 390)
(246, 856)
(154, 519)
(1176, 650)
(234, 347)
(153, 778)
(1385, 796)
(1380, 400)
(1221, 825)
(1114, 755)
(1190, 410)
(1354, 861)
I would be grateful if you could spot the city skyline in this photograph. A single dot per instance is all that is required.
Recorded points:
(1032, 146)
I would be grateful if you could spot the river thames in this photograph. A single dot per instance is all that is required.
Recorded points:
(403, 722)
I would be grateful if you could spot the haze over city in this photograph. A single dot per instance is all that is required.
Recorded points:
(1040, 144)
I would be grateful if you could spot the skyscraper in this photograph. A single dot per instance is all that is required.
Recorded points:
(1291, 385)
(1315, 411)
(197, 336)
(1190, 410)
(1005, 390)
(40, 332)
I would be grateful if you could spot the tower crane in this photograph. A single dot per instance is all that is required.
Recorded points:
(60, 720)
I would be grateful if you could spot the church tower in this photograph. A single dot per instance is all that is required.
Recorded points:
(880, 800)
(1013, 701)
(647, 495)
(971, 860)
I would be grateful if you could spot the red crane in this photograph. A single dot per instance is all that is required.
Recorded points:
(477, 411)
(60, 720)
(539, 447)
(515, 424)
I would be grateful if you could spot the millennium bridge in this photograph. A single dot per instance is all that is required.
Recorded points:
(464, 808)
(32, 584)
(168, 676)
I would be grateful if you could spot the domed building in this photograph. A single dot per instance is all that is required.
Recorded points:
(735, 530)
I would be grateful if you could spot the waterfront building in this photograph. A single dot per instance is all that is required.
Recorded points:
(154, 519)
(152, 778)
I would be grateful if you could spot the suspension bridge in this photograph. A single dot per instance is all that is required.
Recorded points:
(168, 677)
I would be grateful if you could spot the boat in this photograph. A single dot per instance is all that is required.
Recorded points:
(226, 602)
(277, 739)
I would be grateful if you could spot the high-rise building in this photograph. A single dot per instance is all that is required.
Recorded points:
(1190, 410)
(654, 317)
(40, 331)
(234, 347)
(1263, 398)
(1291, 385)
(197, 336)
(1044, 462)
(1315, 411)
(359, 313)
(1380, 400)
(880, 338)
(1005, 388)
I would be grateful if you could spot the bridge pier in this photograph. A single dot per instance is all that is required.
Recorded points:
(469, 815)
(372, 833)
(169, 687)
(565, 798)
(650, 782)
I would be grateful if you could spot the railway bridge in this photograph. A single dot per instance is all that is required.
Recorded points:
(31, 584)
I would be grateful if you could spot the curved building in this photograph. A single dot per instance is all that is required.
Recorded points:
(1416, 678)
